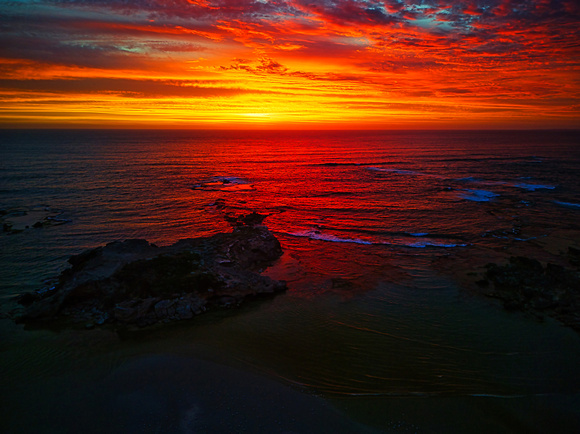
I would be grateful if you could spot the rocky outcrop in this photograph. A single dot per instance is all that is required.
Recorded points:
(135, 282)
(524, 284)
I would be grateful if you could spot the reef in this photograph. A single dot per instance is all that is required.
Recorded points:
(134, 282)
(524, 284)
(17, 220)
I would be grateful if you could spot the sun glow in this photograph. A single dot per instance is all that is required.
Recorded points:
(257, 115)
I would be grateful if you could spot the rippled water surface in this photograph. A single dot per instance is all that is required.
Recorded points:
(369, 336)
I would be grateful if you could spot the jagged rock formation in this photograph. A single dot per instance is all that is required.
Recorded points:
(135, 282)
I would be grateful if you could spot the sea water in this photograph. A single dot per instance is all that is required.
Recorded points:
(371, 335)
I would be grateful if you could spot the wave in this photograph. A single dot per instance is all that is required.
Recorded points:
(522, 185)
(567, 204)
(333, 164)
(481, 157)
(403, 172)
(480, 181)
(507, 236)
(470, 194)
(477, 195)
(424, 244)
(224, 183)
(354, 163)
(315, 234)
(397, 171)
(533, 187)
(334, 194)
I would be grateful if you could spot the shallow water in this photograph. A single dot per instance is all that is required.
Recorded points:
(370, 335)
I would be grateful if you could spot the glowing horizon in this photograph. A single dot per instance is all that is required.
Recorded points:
(290, 64)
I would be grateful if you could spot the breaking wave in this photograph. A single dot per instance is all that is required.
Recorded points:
(224, 183)
(315, 234)
(533, 187)
(567, 204)
(477, 195)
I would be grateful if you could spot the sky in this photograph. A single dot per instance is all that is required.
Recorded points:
(353, 64)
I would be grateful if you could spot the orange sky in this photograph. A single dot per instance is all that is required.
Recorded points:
(290, 63)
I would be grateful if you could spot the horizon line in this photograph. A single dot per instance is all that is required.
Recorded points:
(293, 129)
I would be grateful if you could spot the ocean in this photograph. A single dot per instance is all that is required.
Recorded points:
(378, 331)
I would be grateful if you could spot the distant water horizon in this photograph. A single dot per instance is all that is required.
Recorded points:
(365, 218)
(295, 129)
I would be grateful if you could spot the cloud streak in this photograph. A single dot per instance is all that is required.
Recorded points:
(424, 54)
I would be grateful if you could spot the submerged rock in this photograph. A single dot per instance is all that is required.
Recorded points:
(135, 282)
(525, 284)
(248, 219)
(17, 220)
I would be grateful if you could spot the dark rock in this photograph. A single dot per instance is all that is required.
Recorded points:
(512, 305)
(161, 309)
(528, 291)
(252, 247)
(183, 309)
(340, 283)
(524, 284)
(27, 298)
(543, 304)
(482, 283)
(227, 301)
(130, 311)
(252, 219)
(134, 282)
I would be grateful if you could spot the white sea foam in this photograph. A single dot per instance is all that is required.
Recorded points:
(315, 235)
(567, 204)
(468, 179)
(523, 185)
(477, 195)
(424, 244)
(533, 187)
